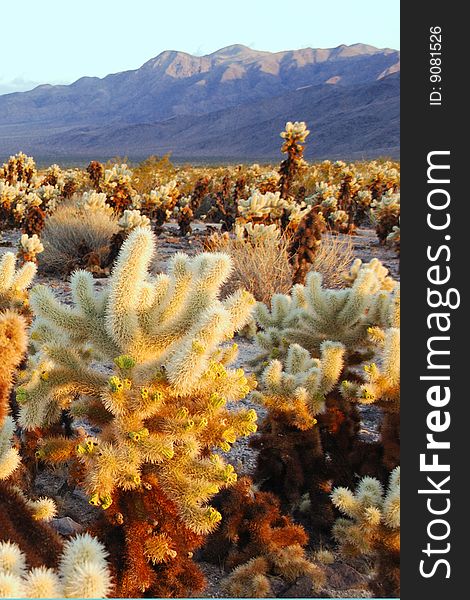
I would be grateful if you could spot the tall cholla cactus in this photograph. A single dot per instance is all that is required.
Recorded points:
(385, 213)
(297, 392)
(291, 459)
(372, 528)
(82, 572)
(153, 468)
(13, 343)
(313, 314)
(14, 283)
(381, 387)
(294, 136)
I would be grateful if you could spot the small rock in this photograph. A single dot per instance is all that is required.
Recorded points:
(66, 526)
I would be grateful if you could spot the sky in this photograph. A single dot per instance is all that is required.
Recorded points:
(59, 41)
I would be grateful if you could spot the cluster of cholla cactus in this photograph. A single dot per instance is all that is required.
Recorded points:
(294, 137)
(29, 248)
(269, 209)
(19, 169)
(313, 344)
(187, 211)
(159, 204)
(130, 220)
(14, 283)
(116, 184)
(372, 529)
(82, 572)
(258, 541)
(381, 386)
(313, 314)
(385, 213)
(155, 465)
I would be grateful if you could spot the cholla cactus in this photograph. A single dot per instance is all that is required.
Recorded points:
(305, 243)
(387, 283)
(132, 219)
(257, 233)
(381, 386)
(53, 177)
(267, 208)
(385, 213)
(253, 531)
(29, 248)
(312, 314)
(94, 202)
(19, 168)
(160, 203)
(251, 580)
(372, 528)
(95, 171)
(83, 572)
(163, 407)
(291, 460)
(294, 136)
(393, 238)
(296, 394)
(14, 283)
(188, 210)
(268, 182)
(116, 184)
(13, 342)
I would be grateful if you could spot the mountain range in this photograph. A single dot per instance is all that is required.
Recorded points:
(228, 105)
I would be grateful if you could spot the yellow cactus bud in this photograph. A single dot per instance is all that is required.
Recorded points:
(251, 415)
(229, 435)
(45, 376)
(106, 501)
(197, 347)
(21, 395)
(115, 384)
(124, 362)
(182, 413)
(94, 500)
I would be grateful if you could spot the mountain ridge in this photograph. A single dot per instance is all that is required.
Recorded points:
(175, 85)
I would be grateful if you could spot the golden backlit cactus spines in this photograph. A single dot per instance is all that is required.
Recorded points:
(313, 314)
(83, 572)
(298, 391)
(14, 283)
(372, 528)
(155, 379)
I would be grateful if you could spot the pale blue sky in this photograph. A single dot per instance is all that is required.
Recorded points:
(58, 41)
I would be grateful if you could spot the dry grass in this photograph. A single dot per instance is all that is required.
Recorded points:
(72, 235)
(333, 259)
(262, 268)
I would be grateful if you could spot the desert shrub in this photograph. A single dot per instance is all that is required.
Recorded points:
(76, 237)
(333, 259)
(260, 263)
